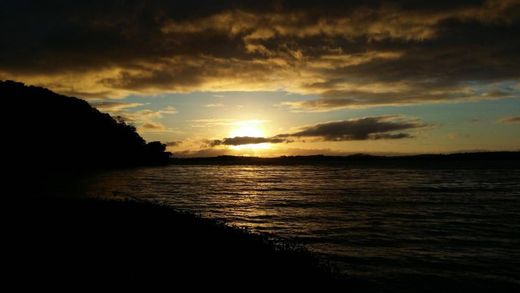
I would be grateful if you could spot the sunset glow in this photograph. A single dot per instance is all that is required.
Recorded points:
(250, 128)
(298, 77)
(247, 128)
(332, 145)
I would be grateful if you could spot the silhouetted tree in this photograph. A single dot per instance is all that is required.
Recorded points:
(45, 128)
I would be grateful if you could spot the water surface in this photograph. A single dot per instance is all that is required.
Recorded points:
(386, 225)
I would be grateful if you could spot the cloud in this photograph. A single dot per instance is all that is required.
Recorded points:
(148, 114)
(340, 99)
(381, 127)
(145, 120)
(152, 126)
(213, 122)
(106, 106)
(510, 120)
(368, 128)
(168, 110)
(353, 54)
(242, 140)
(173, 143)
(214, 105)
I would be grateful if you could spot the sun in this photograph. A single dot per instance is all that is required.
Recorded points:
(250, 128)
(247, 130)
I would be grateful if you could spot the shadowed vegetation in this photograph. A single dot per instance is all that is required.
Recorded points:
(142, 242)
(53, 236)
(66, 133)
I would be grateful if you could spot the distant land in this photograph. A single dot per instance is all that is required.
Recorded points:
(484, 159)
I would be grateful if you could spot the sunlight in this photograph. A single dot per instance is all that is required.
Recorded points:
(250, 128)
(247, 130)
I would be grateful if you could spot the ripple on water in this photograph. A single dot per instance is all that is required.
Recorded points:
(374, 223)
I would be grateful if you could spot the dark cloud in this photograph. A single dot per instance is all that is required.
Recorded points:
(152, 126)
(510, 120)
(173, 143)
(349, 53)
(114, 106)
(382, 127)
(241, 140)
(368, 128)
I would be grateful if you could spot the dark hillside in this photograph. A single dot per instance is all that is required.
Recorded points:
(53, 238)
(60, 132)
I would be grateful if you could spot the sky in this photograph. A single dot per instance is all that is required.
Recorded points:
(270, 78)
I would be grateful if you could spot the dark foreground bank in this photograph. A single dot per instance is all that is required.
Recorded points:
(127, 242)
(46, 239)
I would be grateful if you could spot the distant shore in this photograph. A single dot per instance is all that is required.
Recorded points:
(475, 159)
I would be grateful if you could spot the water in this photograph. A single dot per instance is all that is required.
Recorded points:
(378, 224)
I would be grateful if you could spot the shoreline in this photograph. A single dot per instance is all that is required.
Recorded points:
(458, 160)
(128, 240)
(131, 238)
